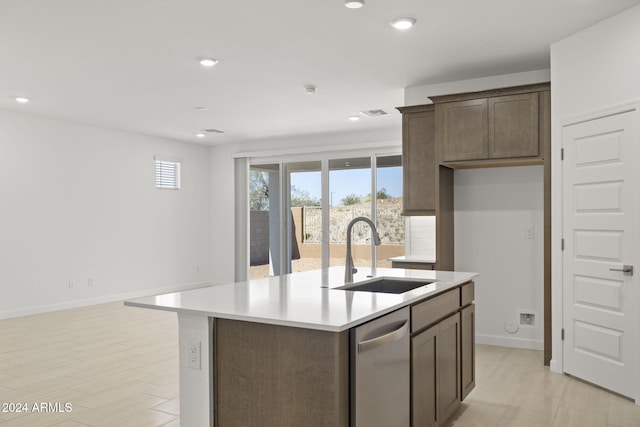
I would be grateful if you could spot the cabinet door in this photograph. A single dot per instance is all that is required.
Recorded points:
(448, 362)
(418, 162)
(467, 350)
(424, 384)
(513, 126)
(463, 130)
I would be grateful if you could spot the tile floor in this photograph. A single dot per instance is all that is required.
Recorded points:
(118, 366)
(514, 389)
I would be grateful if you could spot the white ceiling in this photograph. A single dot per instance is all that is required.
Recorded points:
(133, 64)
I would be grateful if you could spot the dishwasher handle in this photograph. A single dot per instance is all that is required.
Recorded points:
(387, 338)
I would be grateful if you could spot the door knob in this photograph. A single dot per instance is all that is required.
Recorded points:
(626, 269)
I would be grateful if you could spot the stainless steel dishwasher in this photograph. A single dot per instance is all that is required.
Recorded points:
(380, 372)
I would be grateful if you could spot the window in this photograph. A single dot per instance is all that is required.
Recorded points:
(299, 212)
(167, 174)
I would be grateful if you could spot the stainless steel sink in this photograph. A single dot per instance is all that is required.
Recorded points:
(386, 285)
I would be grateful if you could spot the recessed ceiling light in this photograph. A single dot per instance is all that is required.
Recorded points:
(200, 135)
(21, 99)
(208, 62)
(354, 4)
(354, 118)
(403, 23)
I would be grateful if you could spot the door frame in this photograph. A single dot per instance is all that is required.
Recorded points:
(557, 197)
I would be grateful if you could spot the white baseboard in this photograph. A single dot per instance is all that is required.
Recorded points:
(513, 342)
(26, 311)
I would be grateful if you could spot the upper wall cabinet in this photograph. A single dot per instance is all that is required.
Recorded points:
(464, 130)
(418, 160)
(497, 127)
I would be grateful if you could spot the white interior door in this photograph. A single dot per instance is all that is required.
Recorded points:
(600, 239)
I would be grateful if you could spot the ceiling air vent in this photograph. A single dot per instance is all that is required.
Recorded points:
(374, 113)
(214, 131)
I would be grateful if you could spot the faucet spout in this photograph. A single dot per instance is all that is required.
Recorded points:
(349, 268)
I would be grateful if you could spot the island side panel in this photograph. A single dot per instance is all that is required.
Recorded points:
(278, 376)
(196, 387)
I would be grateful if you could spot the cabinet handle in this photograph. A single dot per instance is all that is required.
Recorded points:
(384, 339)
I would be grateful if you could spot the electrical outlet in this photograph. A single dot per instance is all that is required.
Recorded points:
(527, 319)
(90, 282)
(72, 284)
(193, 354)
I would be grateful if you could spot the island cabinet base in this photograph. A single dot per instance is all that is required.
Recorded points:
(279, 376)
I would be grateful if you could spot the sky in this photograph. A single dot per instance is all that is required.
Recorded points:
(349, 181)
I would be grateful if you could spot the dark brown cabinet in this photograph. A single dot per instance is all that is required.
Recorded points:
(448, 366)
(442, 355)
(412, 265)
(467, 340)
(513, 126)
(467, 350)
(464, 130)
(424, 385)
(418, 160)
(501, 127)
(427, 186)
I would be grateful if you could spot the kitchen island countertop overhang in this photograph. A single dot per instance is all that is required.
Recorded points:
(305, 299)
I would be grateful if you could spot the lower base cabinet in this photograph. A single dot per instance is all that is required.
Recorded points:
(448, 362)
(424, 384)
(467, 350)
(436, 373)
(442, 355)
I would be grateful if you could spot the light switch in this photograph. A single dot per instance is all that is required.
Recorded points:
(528, 231)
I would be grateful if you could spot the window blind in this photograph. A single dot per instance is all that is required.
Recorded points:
(167, 175)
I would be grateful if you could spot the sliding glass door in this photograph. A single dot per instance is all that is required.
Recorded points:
(388, 209)
(305, 226)
(294, 228)
(350, 189)
(264, 220)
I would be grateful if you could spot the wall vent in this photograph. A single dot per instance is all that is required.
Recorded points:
(374, 113)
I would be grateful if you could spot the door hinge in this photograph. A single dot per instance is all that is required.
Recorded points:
(562, 154)
(562, 334)
(562, 244)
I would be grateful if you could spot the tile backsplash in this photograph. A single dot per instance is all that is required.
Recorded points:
(420, 236)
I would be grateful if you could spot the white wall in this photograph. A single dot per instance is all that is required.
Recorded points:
(591, 71)
(492, 207)
(80, 202)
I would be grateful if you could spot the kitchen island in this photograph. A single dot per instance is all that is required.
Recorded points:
(279, 347)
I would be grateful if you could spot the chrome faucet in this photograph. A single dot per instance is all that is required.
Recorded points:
(349, 268)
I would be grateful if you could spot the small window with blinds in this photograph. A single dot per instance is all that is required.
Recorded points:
(167, 174)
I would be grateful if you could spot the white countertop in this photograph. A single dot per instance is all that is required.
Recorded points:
(413, 258)
(300, 300)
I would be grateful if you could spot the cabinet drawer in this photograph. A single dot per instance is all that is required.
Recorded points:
(425, 313)
(467, 294)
